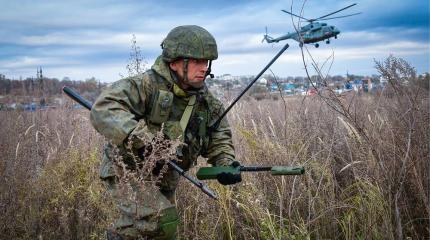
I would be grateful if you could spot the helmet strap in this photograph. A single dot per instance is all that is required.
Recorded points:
(185, 70)
(208, 72)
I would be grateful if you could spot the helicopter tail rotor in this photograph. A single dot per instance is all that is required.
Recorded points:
(264, 36)
(267, 38)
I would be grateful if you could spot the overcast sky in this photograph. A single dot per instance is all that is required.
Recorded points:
(82, 39)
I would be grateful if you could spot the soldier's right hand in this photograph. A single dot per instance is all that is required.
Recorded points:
(140, 136)
(227, 178)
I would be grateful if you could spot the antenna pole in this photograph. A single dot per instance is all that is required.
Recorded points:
(218, 121)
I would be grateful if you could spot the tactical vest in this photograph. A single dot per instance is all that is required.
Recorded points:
(166, 109)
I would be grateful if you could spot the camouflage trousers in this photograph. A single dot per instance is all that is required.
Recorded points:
(147, 211)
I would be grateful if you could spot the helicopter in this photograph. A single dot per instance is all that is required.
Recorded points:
(313, 32)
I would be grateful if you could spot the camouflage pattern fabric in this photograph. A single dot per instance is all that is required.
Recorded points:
(189, 41)
(152, 215)
(122, 113)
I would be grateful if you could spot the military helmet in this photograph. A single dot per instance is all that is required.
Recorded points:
(189, 41)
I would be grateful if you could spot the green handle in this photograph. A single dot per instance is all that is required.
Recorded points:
(206, 173)
(281, 170)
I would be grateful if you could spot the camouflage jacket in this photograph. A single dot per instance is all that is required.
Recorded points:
(123, 111)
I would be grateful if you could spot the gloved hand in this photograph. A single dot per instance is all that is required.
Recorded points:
(140, 136)
(229, 178)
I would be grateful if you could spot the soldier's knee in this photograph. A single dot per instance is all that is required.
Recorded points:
(168, 223)
(162, 227)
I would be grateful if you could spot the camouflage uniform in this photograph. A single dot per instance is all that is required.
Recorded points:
(125, 111)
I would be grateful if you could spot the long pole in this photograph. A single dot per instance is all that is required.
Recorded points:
(218, 121)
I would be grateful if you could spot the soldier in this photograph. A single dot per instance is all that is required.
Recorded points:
(173, 94)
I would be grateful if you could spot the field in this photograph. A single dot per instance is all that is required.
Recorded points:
(366, 159)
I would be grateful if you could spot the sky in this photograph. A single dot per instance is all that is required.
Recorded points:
(92, 38)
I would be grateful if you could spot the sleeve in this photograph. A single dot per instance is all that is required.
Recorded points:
(220, 150)
(118, 109)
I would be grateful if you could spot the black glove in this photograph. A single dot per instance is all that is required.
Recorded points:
(230, 178)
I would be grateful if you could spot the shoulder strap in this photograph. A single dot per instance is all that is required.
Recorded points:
(160, 104)
(187, 113)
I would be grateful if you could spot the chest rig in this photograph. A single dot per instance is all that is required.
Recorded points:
(183, 118)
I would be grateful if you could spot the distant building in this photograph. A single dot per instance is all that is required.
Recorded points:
(262, 81)
(357, 85)
(367, 85)
(383, 81)
(289, 88)
(348, 86)
(228, 77)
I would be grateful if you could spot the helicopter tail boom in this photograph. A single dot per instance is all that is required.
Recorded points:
(269, 39)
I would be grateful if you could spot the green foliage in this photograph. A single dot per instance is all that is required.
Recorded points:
(67, 199)
(366, 211)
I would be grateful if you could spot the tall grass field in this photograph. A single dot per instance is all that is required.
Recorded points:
(366, 158)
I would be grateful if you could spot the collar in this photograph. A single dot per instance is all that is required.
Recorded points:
(179, 92)
(162, 68)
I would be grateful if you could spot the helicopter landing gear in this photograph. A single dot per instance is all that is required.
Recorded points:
(335, 36)
(328, 41)
(317, 45)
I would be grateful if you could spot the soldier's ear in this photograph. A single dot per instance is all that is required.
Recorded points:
(175, 65)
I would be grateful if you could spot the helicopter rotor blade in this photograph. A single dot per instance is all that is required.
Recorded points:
(296, 15)
(336, 11)
(265, 36)
(340, 16)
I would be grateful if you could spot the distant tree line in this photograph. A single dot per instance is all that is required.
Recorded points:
(48, 87)
(421, 80)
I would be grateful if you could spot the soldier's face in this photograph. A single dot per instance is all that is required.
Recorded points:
(196, 72)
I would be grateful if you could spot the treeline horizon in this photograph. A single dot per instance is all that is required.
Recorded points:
(47, 87)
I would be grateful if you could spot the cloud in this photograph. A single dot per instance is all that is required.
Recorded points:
(104, 73)
(65, 14)
(99, 39)
(28, 61)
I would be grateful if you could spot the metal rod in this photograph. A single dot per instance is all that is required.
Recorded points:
(254, 169)
(196, 182)
(78, 98)
(216, 124)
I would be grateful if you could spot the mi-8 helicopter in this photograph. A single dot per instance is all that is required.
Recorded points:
(313, 32)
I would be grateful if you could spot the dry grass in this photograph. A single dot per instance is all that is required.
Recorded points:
(49, 174)
(351, 180)
(363, 177)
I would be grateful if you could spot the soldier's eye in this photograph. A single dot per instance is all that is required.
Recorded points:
(199, 61)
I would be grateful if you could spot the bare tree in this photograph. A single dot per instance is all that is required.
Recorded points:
(136, 63)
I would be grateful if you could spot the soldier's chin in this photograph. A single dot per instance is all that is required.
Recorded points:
(197, 85)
